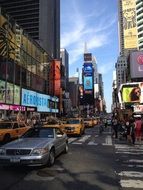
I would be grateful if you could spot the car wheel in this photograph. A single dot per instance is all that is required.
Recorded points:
(6, 138)
(51, 160)
(66, 149)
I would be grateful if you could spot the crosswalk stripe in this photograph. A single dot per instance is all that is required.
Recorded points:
(131, 174)
(130, 183)
(130, 179)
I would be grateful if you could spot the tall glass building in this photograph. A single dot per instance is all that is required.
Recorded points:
(40, 19)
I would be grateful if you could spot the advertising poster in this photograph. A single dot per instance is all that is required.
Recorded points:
(88, 83)
(29, 98)
(9, 93)
(129, 24)
(16, 95)
(136, 64)
(2, 91)
(88, 69)
(131, 94)
(57, 78)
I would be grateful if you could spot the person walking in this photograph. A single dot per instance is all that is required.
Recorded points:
(132, 130)
(115, 128)
(138, 131)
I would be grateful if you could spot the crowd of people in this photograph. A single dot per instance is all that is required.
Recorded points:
(131, 129)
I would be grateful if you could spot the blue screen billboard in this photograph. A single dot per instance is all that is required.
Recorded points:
(88, 83)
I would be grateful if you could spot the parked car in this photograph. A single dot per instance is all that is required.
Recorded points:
(73, 126)
(38, 146)
(11, 130)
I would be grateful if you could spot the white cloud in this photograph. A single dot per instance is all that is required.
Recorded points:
(79, 29)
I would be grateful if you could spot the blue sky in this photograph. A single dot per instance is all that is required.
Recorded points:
(96, 23)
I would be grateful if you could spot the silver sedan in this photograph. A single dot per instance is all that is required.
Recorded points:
(38, 146)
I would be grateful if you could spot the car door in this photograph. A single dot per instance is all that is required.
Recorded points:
(15, 130)
(60, 141)
(22, 129)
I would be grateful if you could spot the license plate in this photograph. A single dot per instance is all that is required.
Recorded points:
(15, 160)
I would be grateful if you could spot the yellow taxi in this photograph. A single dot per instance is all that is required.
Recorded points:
(73, 126)
(11, 130)
(88, 122)
(52, 122)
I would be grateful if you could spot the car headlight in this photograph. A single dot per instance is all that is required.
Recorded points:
(39, 151)
(2, 151)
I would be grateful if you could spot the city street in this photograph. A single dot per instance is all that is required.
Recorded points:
(94, 162)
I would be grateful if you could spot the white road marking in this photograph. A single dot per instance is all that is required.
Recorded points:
(131, 153)
(84, 138)
(92, 143)
(108, 141)
(76, 142)
(131, 174)
(134, 161)
(70, 140)
(133, 166)
(132, 183)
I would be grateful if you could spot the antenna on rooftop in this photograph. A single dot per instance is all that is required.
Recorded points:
(85, 47)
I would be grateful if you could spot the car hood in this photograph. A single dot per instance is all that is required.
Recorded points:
(28, 143)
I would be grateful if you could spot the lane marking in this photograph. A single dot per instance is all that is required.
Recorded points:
(131, 174)
(132, 183)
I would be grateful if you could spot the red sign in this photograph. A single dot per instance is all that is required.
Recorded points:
(140, 59)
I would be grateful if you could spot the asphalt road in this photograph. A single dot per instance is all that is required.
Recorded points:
(94, 162)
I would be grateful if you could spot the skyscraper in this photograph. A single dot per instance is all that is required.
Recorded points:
(128, 38)
(139, 12)
(40, 19)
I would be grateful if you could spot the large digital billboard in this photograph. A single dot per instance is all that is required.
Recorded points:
(129, 23)
(136, 64)
(88, 69)
(88, 83)
(87, 57)
(131, 93)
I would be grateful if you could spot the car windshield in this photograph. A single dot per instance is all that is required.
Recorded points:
(39, 133)
(73, 121)
(5, 125)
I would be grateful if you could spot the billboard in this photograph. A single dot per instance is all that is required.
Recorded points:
(136, 64)
(88, 81)
(131, 93)
(2, 91)
(87, 57)
(88, 69)
(129, 23)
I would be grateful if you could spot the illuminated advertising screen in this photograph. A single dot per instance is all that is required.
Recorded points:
(57, 77)
(131, 93)
(136, 64)
(43, 103)
(9, 93)
(2, 91)
(88, 69)
(29, 98)
(88, 83)
(138, 108)
(87, 57)
(129, 23)
(16, 95)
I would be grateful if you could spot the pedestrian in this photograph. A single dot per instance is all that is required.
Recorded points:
(115, 128)
(132, 130)
(128, 136)
(138, 129)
